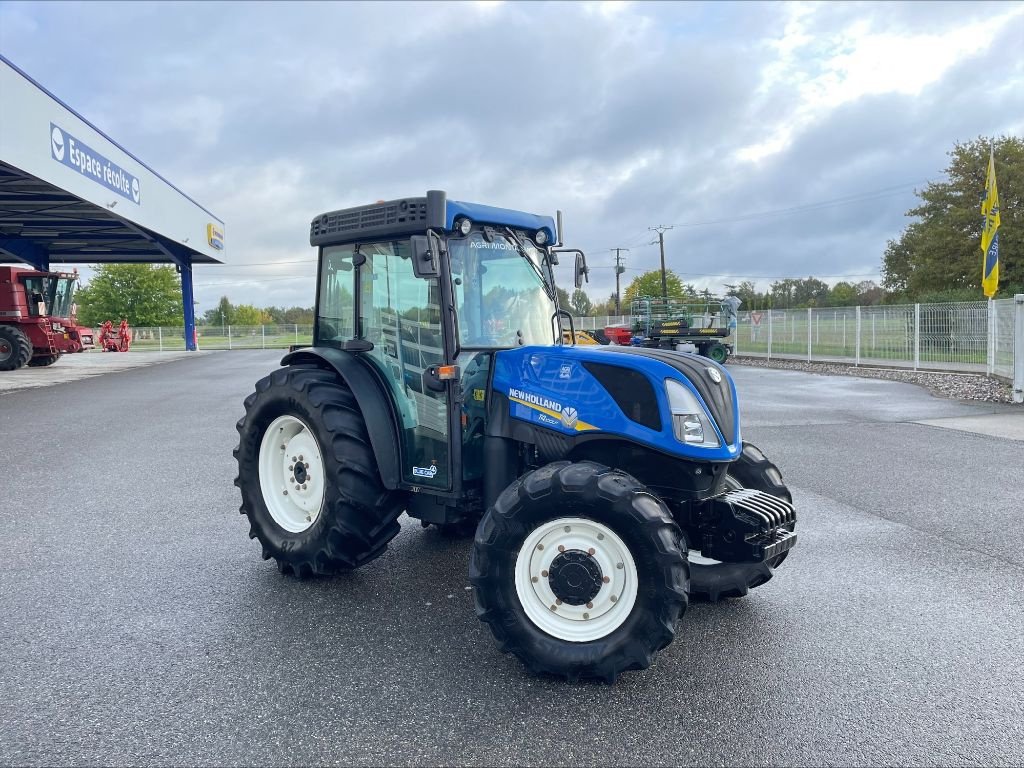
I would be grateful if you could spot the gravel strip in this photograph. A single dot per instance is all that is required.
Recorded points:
(956, 386)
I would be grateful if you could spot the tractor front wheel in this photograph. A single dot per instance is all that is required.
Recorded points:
(15, 348)
(713, 580)
(308, 476)
(580, 571)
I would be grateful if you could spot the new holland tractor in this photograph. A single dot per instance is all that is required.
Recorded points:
(606, 485)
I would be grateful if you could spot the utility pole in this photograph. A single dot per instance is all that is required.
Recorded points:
(661, 229)
(619, 269)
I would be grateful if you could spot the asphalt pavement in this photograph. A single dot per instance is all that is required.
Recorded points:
(139, 625)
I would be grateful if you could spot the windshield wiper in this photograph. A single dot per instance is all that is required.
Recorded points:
(548, 289)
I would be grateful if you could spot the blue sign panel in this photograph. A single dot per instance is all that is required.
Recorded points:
(66, 149)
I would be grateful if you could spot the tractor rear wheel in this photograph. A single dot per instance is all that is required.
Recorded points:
(308, 476)
(579, 571)
(713, 580)
(43, 360)
(15, 348)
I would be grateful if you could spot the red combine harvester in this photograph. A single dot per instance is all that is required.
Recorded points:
(37, 323)
(115, 341)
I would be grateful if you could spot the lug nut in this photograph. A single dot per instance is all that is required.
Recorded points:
(558, 601)
(589, 605)
(293, 458)
(291, 467)
(300, 457)
(591, 551)
(309, 519)
(567, 529)
(606, 579)
(586, 615)
(561, 548)
(303, 486)
(540, 546)
(285, 493)
(614, 599)
(297, 487)
(534, 579)
(619, 566)
(553, 608)
(600, 537)
(544, 574)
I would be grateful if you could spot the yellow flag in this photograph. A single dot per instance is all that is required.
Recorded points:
(990, 234)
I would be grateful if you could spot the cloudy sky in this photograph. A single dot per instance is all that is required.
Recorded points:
(778, 139)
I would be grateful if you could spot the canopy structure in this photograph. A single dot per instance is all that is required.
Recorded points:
(70, 194)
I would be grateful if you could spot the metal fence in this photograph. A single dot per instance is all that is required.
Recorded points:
(223, 337)
(978, 337)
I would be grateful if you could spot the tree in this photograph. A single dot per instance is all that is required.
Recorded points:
(145, 294)
(564, 302)
(581, 303)
(649, 284)
(940, 252)
(223, 314)
(247, 314)
(746, 292)
(843, 294)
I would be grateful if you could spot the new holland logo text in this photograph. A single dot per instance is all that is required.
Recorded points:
(529, 397)
(425, 471)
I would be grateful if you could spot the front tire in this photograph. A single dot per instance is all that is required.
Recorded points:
(308, 475)
(580, 572)
(15, 348)
(713, 580)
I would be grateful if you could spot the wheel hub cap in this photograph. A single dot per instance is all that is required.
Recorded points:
(575, 577)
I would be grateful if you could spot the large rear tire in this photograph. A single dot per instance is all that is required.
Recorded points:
(579, 571)
(308, 476)
(15, 348)
(713, 580)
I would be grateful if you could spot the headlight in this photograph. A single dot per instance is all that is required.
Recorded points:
(463, 226)
(690, 422)
(541, 237)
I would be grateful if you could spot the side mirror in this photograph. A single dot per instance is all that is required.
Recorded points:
(425, 251)
(582, 274)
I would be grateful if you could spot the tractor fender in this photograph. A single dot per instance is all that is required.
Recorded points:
(373, 400)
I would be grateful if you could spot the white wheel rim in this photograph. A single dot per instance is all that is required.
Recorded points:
(607, 610)
(291, 474)
(694, 555)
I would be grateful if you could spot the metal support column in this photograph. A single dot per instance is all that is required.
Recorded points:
(187, 303)
(28, 251)
(1018, 348)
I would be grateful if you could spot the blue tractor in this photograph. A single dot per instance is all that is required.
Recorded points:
(606, 486)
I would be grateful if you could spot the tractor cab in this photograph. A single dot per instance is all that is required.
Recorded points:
(604, 484)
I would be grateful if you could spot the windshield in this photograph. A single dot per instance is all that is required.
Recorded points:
(501, 297)
(55, 292)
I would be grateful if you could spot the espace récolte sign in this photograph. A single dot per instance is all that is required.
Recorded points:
(66, 149)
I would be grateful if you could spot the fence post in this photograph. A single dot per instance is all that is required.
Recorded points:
(856, 346)
(770, 313)
(229, 337)
(990, 328)
(160, 333)
(810, 329)
(263, 337)
(917, 336)
(296, 333)
(1018, 348)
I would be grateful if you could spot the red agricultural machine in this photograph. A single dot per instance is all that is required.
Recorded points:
(37, 323)
(115, 341)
